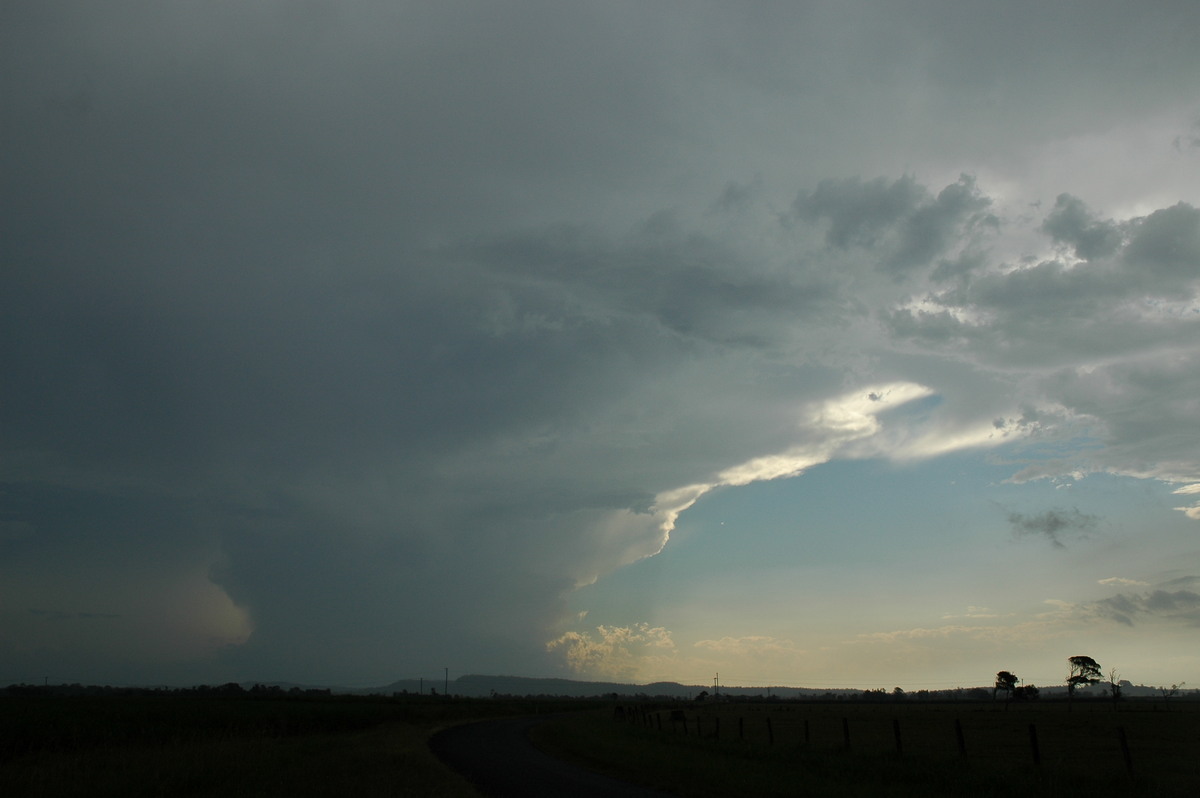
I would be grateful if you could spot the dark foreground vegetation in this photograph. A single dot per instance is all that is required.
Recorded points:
(841, 749)
(228, 741)
(225, 741)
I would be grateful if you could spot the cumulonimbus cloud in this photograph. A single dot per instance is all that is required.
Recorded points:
(388, 329)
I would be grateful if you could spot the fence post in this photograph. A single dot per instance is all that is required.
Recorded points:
(806, 737)
(740, 720)
(770, 733)
(896, 733)
(846, 732)
(962, 742)
(1125, 748)
(1033, 744)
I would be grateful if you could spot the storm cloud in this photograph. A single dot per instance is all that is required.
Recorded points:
(1054, 525)
(345, 341)
(1175, 606)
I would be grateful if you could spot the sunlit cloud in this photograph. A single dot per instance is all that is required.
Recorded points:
(828, 427)
(1192, 512)
(753, 645)
(921, 633)
(1120, 580)
(974, 612)
(617, 652)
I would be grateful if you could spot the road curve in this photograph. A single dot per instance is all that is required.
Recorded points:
(501, 760)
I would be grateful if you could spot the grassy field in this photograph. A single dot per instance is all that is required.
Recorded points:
(173, 745)
(790, 749)
(181, 745)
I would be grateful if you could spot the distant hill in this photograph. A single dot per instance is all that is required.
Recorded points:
(482, 686)
(479, 686)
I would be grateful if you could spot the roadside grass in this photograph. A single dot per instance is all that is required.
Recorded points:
(1080, 754)
(389, 760)
(187, 746)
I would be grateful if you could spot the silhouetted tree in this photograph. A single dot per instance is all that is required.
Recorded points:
(1084, 670)
(1005, 681)
(1114, 685)
(1170, 692)
(1026, 692)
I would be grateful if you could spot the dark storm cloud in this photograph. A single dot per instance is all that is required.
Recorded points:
(1128, 313)
(900, 221)
(1072, 223)
(859, 212)
(1188, 141)
(278, 122)
(1053, 525)
(738, 196)
(1051, 310)
(59, 615)
(1179, 606)
(690, 284)
(390, 321)
(1167, 244)
(220, 299)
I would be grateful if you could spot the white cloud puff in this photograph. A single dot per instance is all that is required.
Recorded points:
(617, 652)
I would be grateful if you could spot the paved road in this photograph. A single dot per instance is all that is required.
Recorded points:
(500, 760)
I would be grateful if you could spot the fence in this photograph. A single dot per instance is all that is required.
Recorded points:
(982, 735)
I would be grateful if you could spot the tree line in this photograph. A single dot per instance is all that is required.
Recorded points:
(1082, 671)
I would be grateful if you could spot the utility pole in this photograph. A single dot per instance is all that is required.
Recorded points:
(446, 686)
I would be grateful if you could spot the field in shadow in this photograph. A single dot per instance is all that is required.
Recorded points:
(146, 743)
(245, 745)
(894, 749)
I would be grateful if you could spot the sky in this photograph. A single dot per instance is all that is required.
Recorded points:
(825, 344)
